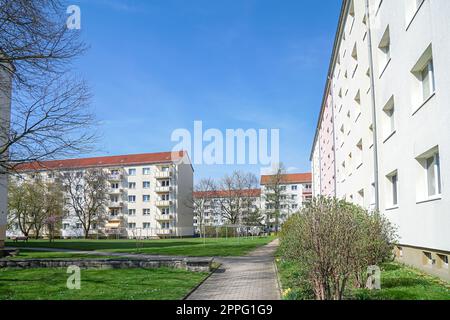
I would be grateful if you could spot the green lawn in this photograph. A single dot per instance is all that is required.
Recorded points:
(398, 282)
(116, 284)
(183, 247)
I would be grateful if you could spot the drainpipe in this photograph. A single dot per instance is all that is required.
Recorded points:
(334, 135)
(374, 113)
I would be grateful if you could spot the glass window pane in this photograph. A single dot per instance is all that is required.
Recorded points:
(431, 178)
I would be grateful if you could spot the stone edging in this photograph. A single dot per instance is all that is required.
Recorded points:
(194, 265)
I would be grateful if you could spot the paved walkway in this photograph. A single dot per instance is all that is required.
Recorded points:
(252, 277)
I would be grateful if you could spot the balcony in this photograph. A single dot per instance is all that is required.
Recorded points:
(115, 177)
(165, 232)
(164, 217)
(163, 203)
(163, 189)
(115, 204)
(115, 191)
(164, 174)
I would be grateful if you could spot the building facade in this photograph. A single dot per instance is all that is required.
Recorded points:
(5, 111)
(388, 87)
(296, 190)
(211, 204)
(148, 194)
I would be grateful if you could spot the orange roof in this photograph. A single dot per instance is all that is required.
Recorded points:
(134, 159)
(227, 193)
(289, 178)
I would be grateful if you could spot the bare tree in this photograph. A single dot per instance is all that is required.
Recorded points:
(200, 202)
(276, 197)
(53, 207)
(49, 115)
(87, 193)
(237, 200)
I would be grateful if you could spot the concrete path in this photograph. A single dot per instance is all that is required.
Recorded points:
(252, 277)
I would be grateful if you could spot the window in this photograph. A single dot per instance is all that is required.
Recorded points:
(393, 189)
(294, 206)
(165, 183)
(428, 258)
(427, 76)
(389, 118)
(131, 172)
(430, 173)
(132, 185)
(424, 84)
(131, 212)
(146, 184)
(78, 226)
(412, 6)
(165, 197)
(65, 226)
(146, 225)
(443, 261)
(294, 188)
(114, 212)
(146, 171)
(384, 50)
(359, 153)
(283, 188)
(146, 212)
(131, 225)
(165, 211)
(114, 198)
(114, 186)
(146, 198)
(132, 199)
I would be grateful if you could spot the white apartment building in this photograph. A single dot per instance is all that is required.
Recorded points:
(148, 194)
(5, 109)
(296, 190)
(212, 203)
(388, 89)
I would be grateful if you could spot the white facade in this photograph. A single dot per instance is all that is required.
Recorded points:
(147, 199)
(5, 109)
(390, 80)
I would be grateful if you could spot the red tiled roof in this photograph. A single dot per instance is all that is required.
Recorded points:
(227, 193)
(132, 159)
(289, 178)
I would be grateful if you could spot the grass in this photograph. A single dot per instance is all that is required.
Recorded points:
(398, 282)
(115, 284)
(183, 247)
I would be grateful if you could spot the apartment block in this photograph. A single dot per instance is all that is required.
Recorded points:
(5, 110)
(149, 194)
(387, 93)
(213, 203)
(296, 190)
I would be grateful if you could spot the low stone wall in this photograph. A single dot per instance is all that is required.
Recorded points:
(190, 264)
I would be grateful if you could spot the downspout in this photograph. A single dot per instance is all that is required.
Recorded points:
(374, 113)
(334, 135)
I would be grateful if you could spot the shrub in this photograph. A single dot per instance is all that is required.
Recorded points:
(333, 241)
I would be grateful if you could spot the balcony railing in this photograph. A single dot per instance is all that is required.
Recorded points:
(115, 190)
(164, 217)
(165, 232)
(115, 204)
(163, 203)
(115, 177)
(163, 189)
(164, 174)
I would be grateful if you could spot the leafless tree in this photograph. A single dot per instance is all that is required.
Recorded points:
(237, 200)
(87, 193)
(275, 196)
(50, 117)
(200, 202)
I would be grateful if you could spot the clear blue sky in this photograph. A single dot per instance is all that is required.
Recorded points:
(155, 66)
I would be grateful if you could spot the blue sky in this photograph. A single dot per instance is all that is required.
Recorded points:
(155, 66)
